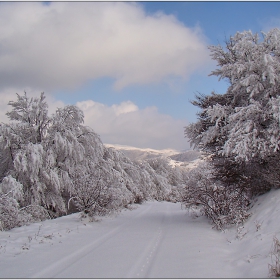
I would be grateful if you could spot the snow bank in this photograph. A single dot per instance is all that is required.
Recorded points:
(252, 243)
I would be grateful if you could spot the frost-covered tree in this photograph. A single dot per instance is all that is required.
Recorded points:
(171, 178)
(10, 193)
(42, 152)
(244, 122)
(241, 128)
(101, 189)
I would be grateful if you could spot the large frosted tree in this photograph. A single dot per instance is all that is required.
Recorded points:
(41, 152)
(243, 122)
(241, 128)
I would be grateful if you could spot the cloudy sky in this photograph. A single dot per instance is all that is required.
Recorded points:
(132, 67)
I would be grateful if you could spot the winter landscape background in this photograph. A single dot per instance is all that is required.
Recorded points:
(100, 104)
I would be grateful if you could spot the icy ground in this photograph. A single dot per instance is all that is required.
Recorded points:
(155, 240)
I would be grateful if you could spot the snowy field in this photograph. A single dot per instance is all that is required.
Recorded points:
(156, 239)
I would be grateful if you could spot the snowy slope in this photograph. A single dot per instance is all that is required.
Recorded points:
(142, 153)
(158, 239)
(186, 156)
(187, 159)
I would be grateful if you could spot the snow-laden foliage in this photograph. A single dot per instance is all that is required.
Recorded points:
(10, 194)
(240, 129)
(245, 121)
(102, 188)
(58, 166)
(172, 178)
(222, 205)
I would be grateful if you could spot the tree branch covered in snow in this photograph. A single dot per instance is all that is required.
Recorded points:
(222, 205)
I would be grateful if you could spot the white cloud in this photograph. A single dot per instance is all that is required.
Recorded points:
(126, 124)
(63, 44)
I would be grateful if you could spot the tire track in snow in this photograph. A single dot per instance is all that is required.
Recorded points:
(56, 268)
(158, 247)
(142, 267)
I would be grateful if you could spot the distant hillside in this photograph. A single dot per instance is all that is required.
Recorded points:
(142, 153)
(186, 156)
(186, 159)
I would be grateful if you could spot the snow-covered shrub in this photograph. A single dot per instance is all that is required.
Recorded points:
(115, 181)
(11, 215)
(156, 179)
(10, 194)
(95, 192)
(175, 194)
(173, 174)
(223, 205)
(34, 213)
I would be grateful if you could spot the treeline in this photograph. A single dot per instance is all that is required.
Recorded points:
(54, 165)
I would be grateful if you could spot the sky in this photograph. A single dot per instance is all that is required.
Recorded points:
(132, 67)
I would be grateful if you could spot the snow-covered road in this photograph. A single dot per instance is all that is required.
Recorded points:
(158, 239)
(155, 240)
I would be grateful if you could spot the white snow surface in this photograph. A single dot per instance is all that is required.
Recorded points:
(154, 240)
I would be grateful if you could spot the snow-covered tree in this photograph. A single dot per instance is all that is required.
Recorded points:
(240, 129)
(242, 126)
(42, 152)
(245, 120)
(101, 189)
(167, 179)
